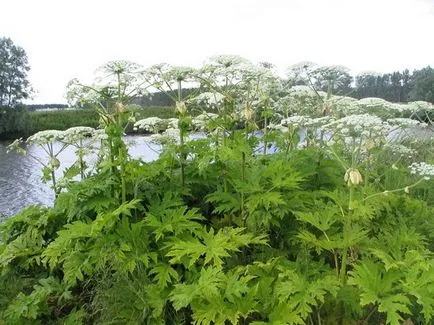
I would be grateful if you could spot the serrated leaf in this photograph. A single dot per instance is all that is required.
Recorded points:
(164, 275)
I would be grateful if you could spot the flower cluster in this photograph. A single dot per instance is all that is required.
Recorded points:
(301, 90)
(405, 122)
(150, 124)
(227, 60)
(45, 137)
(74, 134)
(319, 121)
(300, 71)
(421, 105)
(179, 73)
(201, 121)
(99, 135)
(422, 169)
(297, 121)
(301, 100)
(208, 99)
(331, 72)
(171, 135)
(373, 102)
(340, 106)
(363, 125)
(399, 150)
(172, 123)
(227, 66)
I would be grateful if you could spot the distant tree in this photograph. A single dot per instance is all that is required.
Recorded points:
(393, 86)
(14, 66)
(366, 85)
(423, 85)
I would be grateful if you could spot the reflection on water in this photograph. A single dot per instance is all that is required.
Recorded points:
(20, 176)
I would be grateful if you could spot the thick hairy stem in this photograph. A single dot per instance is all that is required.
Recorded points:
(122, 155)
(290, 140)
(351, 201)
(225, 182)
(374, 308)
(318, 316)
(53, 180)
(335, 256)
(344, 262)
(181, 140)
(243, 177)
(80, 160)
(265, 136)
(112, 163)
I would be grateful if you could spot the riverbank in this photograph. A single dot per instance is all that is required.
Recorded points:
(28, 123)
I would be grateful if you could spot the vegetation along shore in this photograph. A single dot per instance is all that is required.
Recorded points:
(249, 224)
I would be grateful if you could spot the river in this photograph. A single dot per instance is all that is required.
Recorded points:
(20, 176)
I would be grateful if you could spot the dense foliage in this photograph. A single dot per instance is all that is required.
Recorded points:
(295, 206)
(14, 122)
(18, 122)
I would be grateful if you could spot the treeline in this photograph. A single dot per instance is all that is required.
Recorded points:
(399, 86)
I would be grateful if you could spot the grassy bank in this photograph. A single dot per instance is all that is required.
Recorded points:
(62, 120)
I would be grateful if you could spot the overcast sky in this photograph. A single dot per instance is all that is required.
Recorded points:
(65, 39)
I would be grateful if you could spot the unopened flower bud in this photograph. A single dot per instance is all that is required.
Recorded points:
(119, 107)
(55, 163)
(181, 108)
(353, 177)
(370, 144)
(248, 112)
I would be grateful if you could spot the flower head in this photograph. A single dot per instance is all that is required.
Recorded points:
(150, 124)
(77, 133)
(422, 169)
(45, 137)
(201, 121)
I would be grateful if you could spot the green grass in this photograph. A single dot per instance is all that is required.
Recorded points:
(62, 120)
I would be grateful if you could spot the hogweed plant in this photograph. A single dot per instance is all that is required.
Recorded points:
(118, 83)
(330, 222)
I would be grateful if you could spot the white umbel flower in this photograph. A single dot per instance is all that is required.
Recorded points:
(296, 121)
(150, 124)
(208, 99)
(364, 125)
(201, 121)
(77, 133)
(405, 122)
(422, 169)
(44, 137)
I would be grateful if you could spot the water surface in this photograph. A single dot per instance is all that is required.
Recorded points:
(20, 176)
